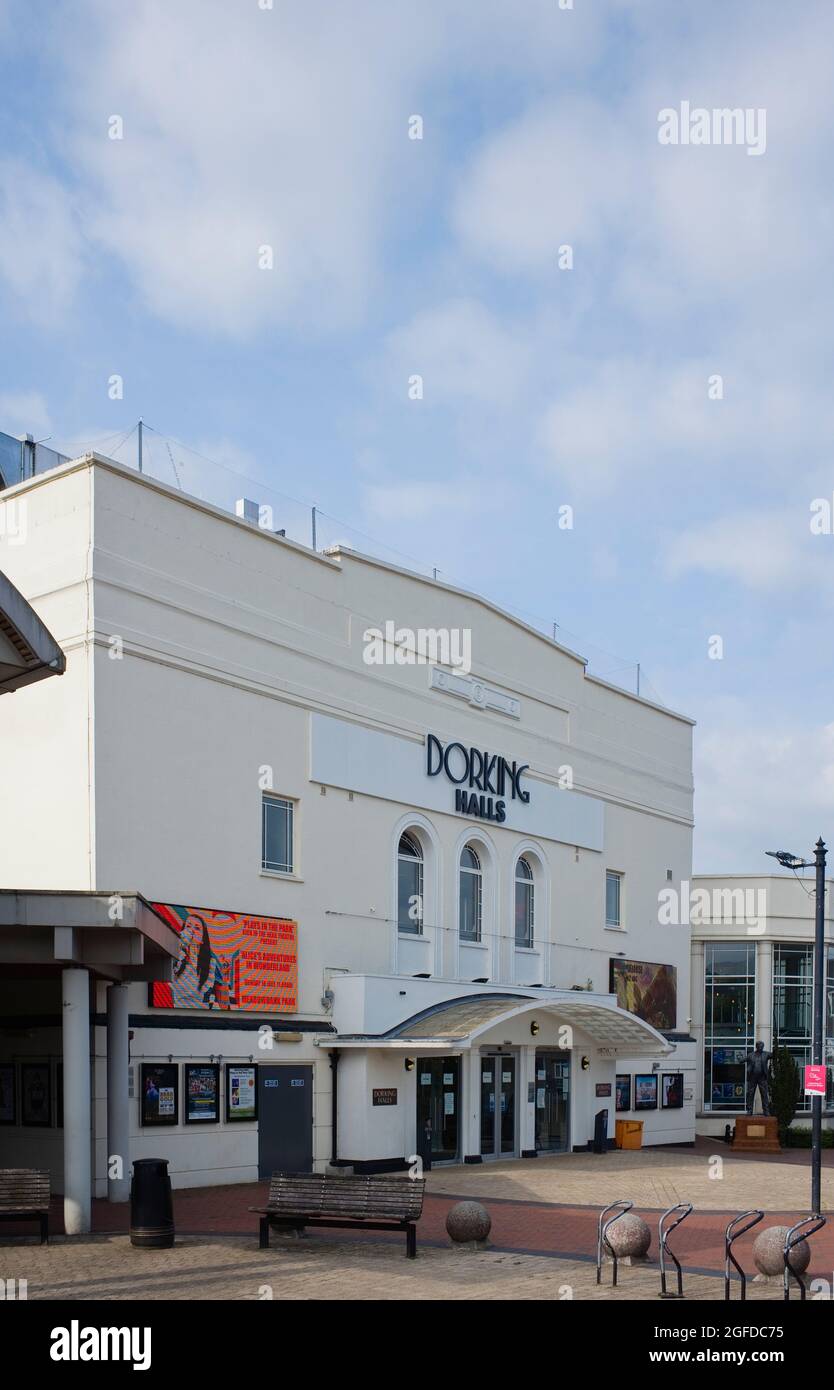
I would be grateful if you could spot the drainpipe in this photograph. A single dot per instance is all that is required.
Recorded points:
(334, 1146)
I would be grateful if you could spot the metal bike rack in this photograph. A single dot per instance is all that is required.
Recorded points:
(620, 1207)
(792, 1239)
(663, 1234)
(729, 1258)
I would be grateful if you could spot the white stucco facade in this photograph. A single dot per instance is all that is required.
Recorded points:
(209, 662)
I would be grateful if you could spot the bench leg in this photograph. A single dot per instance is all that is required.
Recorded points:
(44, 1220)
(264, 1233)
(411, 1241)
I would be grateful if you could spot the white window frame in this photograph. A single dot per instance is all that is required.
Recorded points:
(276, 798)
(619, 876)
(417, 928)
(528, 883)
(478, 875)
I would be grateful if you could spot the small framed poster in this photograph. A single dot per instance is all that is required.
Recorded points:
(602, 1089)
(645, 1092)
(202, 1093)
(8, 1094)
(241, 1092)
(623, 1092)
(35, 1094)
(672, 1091)
(160, 1093)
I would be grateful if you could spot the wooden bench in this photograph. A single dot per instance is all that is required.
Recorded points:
(374, 1203)
(24, 1196)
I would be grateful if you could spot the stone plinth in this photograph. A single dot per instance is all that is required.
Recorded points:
(757, 1134)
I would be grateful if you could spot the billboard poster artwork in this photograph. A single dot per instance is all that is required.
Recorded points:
(231, 961)
(647, 990)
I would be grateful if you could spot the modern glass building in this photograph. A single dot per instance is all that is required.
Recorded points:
(752, 979)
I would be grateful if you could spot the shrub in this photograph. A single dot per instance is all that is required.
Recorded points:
(800, 1138)
(785, 1090)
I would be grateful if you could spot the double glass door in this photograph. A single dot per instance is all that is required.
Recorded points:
(498, 1105)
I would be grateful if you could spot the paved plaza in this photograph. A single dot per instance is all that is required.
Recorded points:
(107, 1267)
(544, 1214)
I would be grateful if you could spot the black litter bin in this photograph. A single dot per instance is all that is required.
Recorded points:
(151, 1205)
(601, 1132)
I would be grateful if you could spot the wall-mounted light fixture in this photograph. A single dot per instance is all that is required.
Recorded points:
(534, 1028)
(409, 1063)
(585, 1063)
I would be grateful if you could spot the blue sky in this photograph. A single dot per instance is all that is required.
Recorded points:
(288, 127)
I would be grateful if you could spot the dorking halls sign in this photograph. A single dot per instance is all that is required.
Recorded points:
(483, 781)
(230, 961)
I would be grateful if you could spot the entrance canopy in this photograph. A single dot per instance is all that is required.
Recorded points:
(115, 935)
(460, 1023)
(28, 652)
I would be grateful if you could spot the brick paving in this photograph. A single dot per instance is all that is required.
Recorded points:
(543, 1240)
(107, 1267)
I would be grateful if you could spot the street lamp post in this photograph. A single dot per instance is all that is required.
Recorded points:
(791, 861)
(819, 989)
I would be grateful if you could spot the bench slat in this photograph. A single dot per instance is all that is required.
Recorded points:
(27, 1189)
(24, 1190)
(296, 1195)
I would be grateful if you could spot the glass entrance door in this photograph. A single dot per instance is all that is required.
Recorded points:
(498, 1105)
(438, 1105)
(552, 1101)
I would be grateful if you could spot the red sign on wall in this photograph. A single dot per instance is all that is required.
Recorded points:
(230, 961)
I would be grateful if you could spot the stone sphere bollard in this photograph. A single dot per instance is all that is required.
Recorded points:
(468, 1224)
(630, 1237)
(768, 1252)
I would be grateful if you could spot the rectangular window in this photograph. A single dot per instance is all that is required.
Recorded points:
(613, 898)
(793, 975)
(410, 895)
(729, 1013)
(470, 906)
(277, 835)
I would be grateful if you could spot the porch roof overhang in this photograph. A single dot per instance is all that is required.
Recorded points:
(28, 651)
(460, 1023)
(118, 936)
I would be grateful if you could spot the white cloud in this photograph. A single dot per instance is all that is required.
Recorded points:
(759, 788)
(559, 175)
(41, 248)
(463, 354)
(765, 550)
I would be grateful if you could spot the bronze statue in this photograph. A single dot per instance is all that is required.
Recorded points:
(757, 1064)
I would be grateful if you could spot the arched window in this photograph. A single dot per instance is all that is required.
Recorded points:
(410, 885)
(471, 895)
(525, 903)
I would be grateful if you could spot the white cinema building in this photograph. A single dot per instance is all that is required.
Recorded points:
(272, 897)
